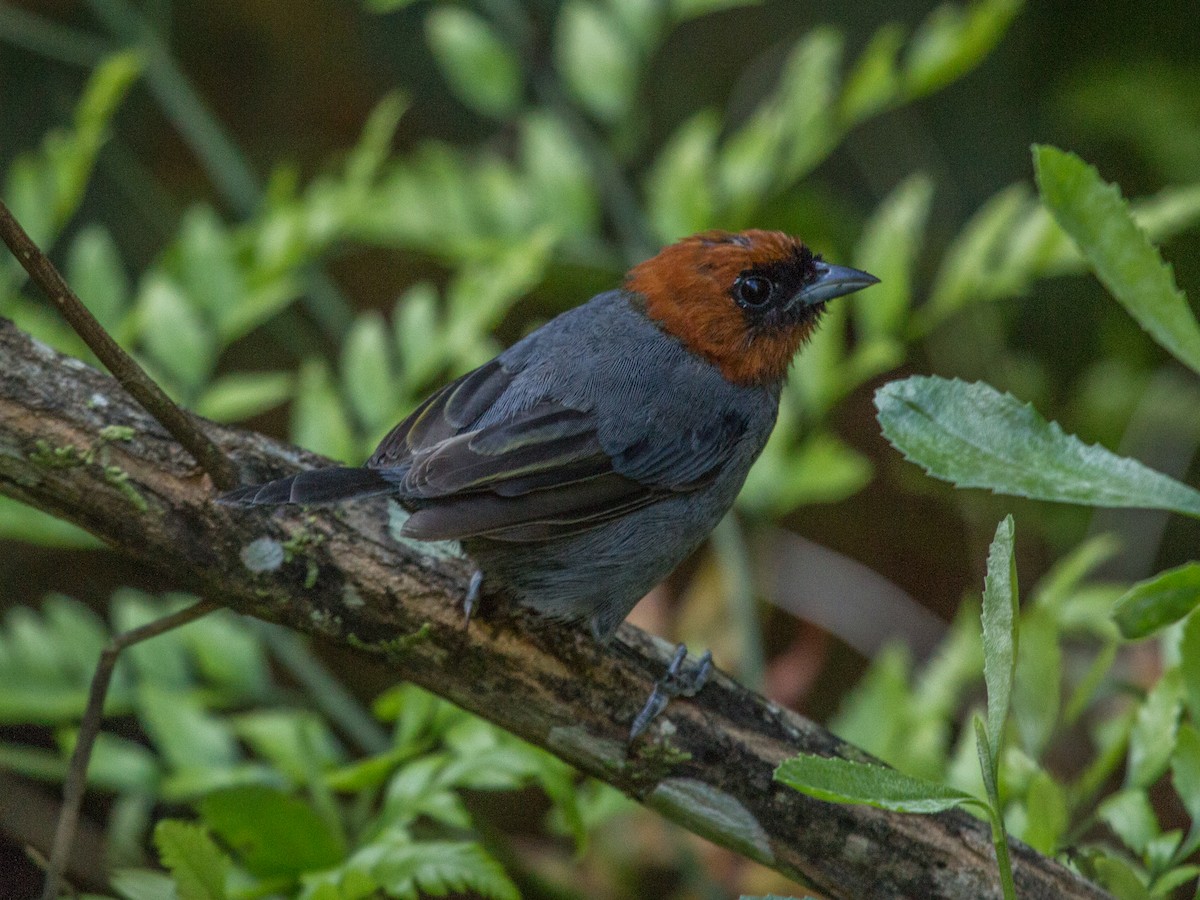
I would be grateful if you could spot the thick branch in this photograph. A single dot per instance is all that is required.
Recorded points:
(72, 443)
(132, 376)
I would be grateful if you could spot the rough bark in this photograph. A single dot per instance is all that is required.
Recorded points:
(73, 444)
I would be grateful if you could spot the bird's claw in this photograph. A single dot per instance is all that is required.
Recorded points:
(471, 600)
(677, 682)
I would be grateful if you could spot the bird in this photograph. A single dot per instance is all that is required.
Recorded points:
(581, 465)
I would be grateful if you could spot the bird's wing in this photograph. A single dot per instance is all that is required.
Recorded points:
(542, 472)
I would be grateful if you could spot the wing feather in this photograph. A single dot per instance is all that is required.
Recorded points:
(541, 472)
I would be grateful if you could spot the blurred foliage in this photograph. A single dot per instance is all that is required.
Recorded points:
(973, 436)
(237, 316)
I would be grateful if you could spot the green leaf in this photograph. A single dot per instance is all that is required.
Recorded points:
(953, 40)
(195, 862)
(1185, 770)
(72, 155)
(95, 272)
(974, 436)
(558, 174)
(970, 262)
(208, 270)
(185, 734)
(845, 781)
(271, 832)
(442, 867)
(240, 395)
(319, 422)
(1038, 686)
(888, 250)
(823, 469)
(1118, 876)
(1049, 817)
(690, 9)
(680, 185)
(597, 63)
(367, 372)
(874, 82)
(1159, 601)
(1189, 665)
(173, 332)
(1129, 814)
(1093, 213)
(19, 522)
(143, 884)
(481, 68)
(1152, 740)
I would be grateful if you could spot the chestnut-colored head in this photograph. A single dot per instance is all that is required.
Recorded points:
(746, 302)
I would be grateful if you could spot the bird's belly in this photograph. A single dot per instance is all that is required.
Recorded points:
(599, 575)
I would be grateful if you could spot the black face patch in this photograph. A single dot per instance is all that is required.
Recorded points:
(765, 292)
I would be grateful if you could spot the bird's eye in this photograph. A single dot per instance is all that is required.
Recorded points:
(753, 290)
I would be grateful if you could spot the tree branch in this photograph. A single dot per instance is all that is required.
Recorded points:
(338, 573)
(132, 376)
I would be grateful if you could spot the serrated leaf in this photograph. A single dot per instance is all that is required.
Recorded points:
(1159, 601)
(1095, 215)
(272, 832)
(480, 67)
(597, 63)
(195, 862)
(974, 436)
(845, 781)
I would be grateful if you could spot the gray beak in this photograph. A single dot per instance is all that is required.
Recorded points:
(831, 282)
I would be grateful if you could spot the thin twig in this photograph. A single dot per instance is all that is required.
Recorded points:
(89, 728)
(125, 369)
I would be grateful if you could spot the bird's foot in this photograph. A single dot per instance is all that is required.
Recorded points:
(677, 682)
(471, 600)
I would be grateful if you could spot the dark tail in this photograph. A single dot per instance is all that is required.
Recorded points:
(313, 486)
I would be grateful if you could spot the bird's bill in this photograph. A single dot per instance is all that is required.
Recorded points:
(831, 282)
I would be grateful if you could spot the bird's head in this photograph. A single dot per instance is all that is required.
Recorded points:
(746, 302)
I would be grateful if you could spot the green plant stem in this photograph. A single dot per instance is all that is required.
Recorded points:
(180, 424)
(734, 557)
(1003, 862)
(50, 39)
(89, 727)
(224, 163)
